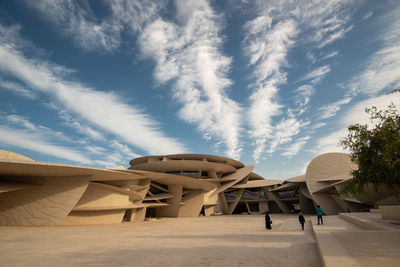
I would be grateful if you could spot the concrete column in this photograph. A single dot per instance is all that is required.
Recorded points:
(273, 196)
(174, 203)
(193, 202)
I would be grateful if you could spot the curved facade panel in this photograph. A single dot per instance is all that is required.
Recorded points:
(189, 167)
(179, 185)
(195, 157)
(222, 173)
(325, 171)
(328, 168)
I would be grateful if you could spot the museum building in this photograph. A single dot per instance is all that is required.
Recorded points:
(182, 185)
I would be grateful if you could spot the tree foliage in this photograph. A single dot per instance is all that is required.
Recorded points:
(376, 151)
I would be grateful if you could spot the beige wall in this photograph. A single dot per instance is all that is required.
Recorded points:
(45, 204)
(174, 203)
(193, 202)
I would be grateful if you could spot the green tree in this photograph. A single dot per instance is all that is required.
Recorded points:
(376, 151)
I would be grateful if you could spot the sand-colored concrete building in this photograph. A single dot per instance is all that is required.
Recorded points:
(181, 185)
(47, 194)
(233, 187)
(326, 174)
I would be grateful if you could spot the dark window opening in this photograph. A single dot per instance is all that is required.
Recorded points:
(127, 216)
(191, 173)
(155, 191)
(254, 207)
(240, 208)
(151, 213)
(228, 197)
(202, 212)
(204, 174)
(174, 173)
(160, 185)
(284, 194)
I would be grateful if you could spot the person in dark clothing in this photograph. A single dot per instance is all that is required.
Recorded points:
(267, 220)
(319, 215)
(302, 220)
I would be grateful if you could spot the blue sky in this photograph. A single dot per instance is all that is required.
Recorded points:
(269, 83)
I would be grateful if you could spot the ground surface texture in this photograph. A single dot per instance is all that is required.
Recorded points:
(240, 240)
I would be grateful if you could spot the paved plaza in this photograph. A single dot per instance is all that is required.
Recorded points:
(239, 240)
(234, 240)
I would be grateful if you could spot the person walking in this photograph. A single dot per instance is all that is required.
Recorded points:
(319, 215)
(267, 220)
(302, 220)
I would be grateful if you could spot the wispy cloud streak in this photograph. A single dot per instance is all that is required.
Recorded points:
(189, 53)
(17, 131)
(317, 75)
(267, 48)
(77, 20)
(270, 36)
(105, 110)
(382, 70)
(17, 89)
(294, 148)
(355, 114)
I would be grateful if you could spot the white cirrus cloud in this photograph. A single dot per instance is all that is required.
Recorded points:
(269, 38)
(304, 92)
(19, 132)
(188, 52)
(20, 121)
(329, 55)
(95, 150)
(382, 69)
(105, 110)
(303, 95)
(75, 123)
(317, 125)
(77, 20)
(267, 49)
(367, 15)
(294, 148)
(355, 114)
(320, 22)
(317, 74)
(330, 110)
(284, 132)
(312, 58)
(124, 149)
(117, 154)
(335, 36)
(37, 142)
(381, 72)
(17, 88)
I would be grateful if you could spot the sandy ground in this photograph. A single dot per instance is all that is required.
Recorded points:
(239, 240)
(373, 248)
